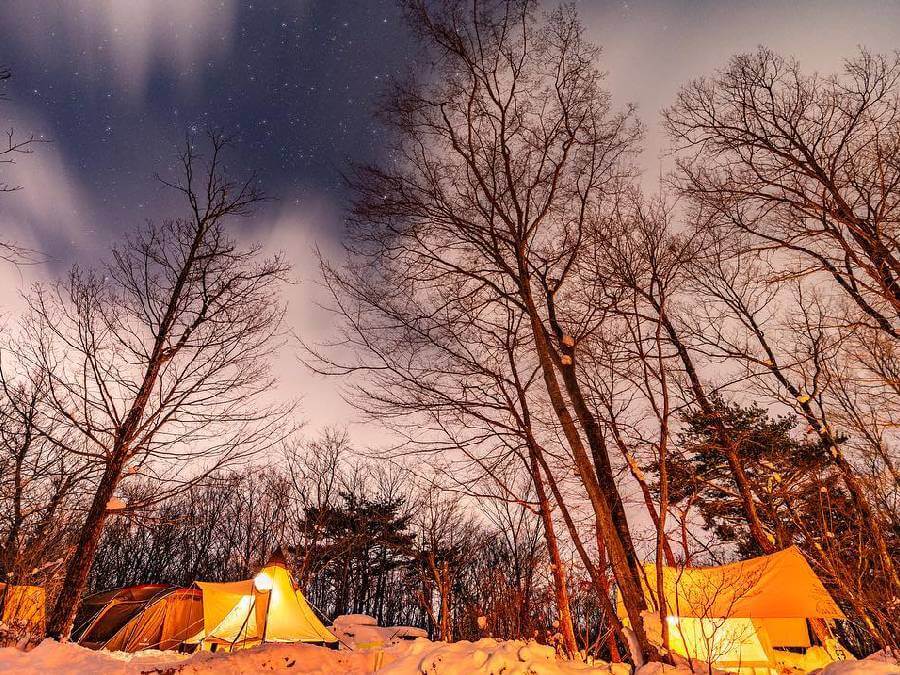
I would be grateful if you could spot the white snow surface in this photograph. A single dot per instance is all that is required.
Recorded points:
(361, 631)
(406, 658)
(885, 662)
(486, 656)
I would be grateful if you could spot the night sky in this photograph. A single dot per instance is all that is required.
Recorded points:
(116, 89)
(116, 84)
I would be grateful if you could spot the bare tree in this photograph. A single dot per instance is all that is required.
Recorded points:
(804, 164)
(155, 364)
(500, 163)
(704, 609)
(786, 343)
(40, 486)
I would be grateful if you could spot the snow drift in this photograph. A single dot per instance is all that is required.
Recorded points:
(488, 656)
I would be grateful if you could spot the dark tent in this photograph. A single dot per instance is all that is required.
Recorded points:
(103, 614)
(165, 622)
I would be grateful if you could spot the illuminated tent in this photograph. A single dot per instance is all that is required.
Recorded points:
(23, 605)
(735, 615)
(267, 608)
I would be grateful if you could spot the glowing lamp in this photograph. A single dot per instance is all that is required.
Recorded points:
(263, 582)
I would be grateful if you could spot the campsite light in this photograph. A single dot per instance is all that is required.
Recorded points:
(263, 582)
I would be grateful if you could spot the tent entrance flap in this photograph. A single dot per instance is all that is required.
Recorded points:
(726, 642)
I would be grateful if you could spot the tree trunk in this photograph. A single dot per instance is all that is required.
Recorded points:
(629, 585)
(596, 441)
(444, 585)
(62, 617)
(734, 461)
(566, 627)
(598, 577)
(645, 492)
(762, 540)
(661, 539)
(10, 547)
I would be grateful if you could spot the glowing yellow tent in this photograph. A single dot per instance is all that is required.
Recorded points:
(267, 608)
(735, 615)
(24, 606)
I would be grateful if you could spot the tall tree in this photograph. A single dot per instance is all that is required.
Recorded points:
(805, 166)
(501, 160)
(155, 363)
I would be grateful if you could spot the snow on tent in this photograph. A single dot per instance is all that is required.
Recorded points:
(23, 606)
(735, 615)
(267, 608)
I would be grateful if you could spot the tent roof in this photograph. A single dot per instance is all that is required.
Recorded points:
(140, 592)
(104, 613)
(277, 558)
(777, 586)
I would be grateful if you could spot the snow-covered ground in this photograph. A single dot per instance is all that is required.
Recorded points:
(416, 657)
(361, 631)
(406, 658)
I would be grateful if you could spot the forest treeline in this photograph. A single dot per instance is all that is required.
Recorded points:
(360, 537)
(579, 375)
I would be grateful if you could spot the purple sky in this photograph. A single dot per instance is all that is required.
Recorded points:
(116, 83)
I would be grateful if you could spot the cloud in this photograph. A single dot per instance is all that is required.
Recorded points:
(652, 48)
(297, 231)
(125, 38)
(51, 213)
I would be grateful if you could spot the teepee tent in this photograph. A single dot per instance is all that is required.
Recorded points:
(735, 615)
(267, 608)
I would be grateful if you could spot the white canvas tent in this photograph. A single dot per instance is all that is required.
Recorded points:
(737, 615)
(267, 608)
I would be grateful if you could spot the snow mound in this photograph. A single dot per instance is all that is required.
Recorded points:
(298, 659)
(885, 662)
(361, 631)
(53, 657)
(488, 656)
(355, 620)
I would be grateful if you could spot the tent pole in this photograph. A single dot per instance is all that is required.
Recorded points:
(266, 615)
(244, 625)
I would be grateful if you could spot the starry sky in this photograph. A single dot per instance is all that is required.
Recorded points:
(116, 84)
